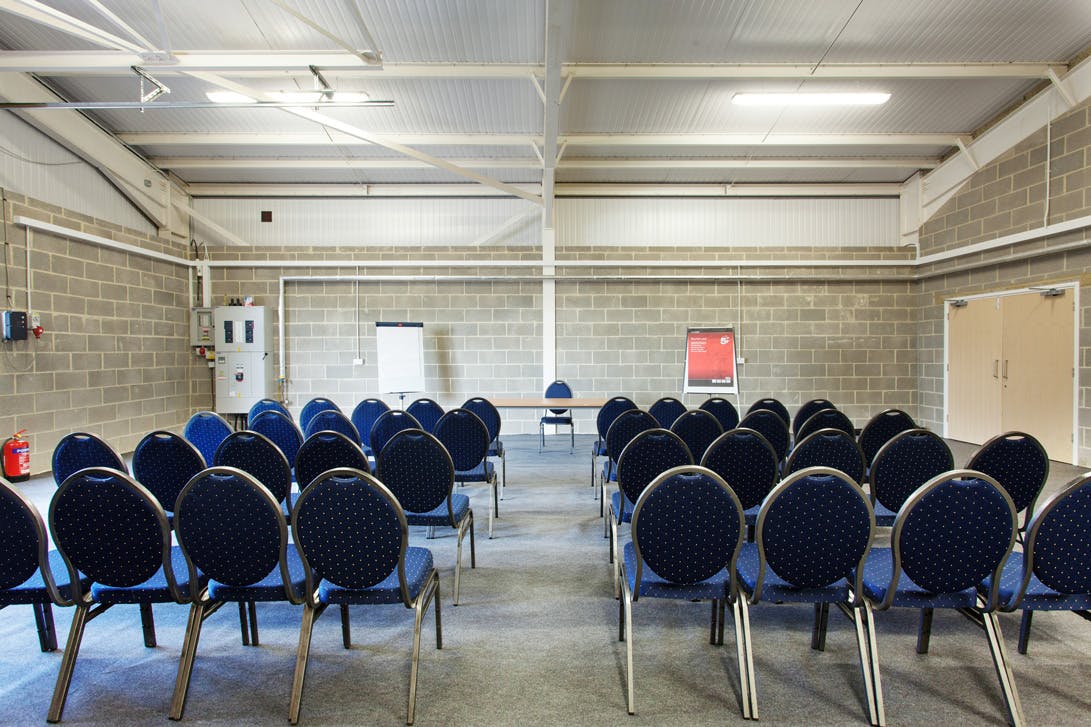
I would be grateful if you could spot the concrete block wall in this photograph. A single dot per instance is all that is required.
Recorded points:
(114, 359)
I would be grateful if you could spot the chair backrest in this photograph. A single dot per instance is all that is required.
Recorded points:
(78, 450)
(953, 532)
(281, 431)
(826, 419)
(610, 411)
(1057, 547)
(417, 468)
(312, 407)
(880, 429)
(647, 455)
(232, 530)
(257, 456)
(326, 450)
(828, 448)
(724, 411)
(263, 405)
(111, 529)
(746, 461)
(465, 436)
(164, 462)
(626, 426)
(815, 528)
(350, 531)
(558, 390)
(698, 429)
(330, 420)
(906, 462)
(687, 526)
(804, 412)
(205, 430)
(364, 415)
(773, 405)
(771, 426)
(1018, 462)
(387, 425)
(487, 413)
(427, 412)
(666, 409)
(25, 542)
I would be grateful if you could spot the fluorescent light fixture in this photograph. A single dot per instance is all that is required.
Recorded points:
(810, 99)
(228, 97)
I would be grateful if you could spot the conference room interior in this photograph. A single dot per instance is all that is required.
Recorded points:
(868, 286)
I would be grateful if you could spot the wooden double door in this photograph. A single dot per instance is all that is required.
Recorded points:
(1011, 366)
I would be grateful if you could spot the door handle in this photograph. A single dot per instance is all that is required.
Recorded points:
(996, 368)
(1005, 374)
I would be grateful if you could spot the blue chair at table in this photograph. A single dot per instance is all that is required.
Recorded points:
(205, 430)
(687, 531)
(427, 413)
(880, 429)
(771, 426)
(902, 465)
(331, 420)
(743, 458)
(773, 405)
(326, 450)
(110, 528)
(666, 409)
(490, 415)
(467, 440)
(263, 405)
(806, 410)
(231, 529)
(624, 427)
(1019, 463)
(387, 425)
(828, 448)
(951, 534)
(30, 574)
(557, 417)
(813, 535)
(698, 429)
(80, 449)
(363, 418)
(826, 419)
(354, 543)
(724, 411)
(312, 407)
(607, 413)
(164, 462)
(281, 431)
(418, 469)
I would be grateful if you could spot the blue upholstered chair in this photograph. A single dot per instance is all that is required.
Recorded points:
(257, 456)
(331, 420)
(80, 449)
(363, 418)
(427, 413)
(387, 425)
(666, 409)
(1019, 463)
(645, 457)
(828, 448)
(263, 405)
(231, 529)
(417, 468)
(806, 410)
(30, 574)
(312, 407)
(326, 450)
(826, 419)
(624, 427)
(813, 534)
(902, 465)
(952, 533)
(771, 426)
(466, 439)
(205, 430)
(490, 416)
(724, 411)
(281, 431)
(687, 530)
(164, 462)
(110, 528)
(557, 417)
(354, 542)
(745, 460)
(607, 413)
(773, 405)
(698, 429)
(880, 429)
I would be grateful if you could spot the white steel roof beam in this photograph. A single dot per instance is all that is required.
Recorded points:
(55, 19)
(528, 163)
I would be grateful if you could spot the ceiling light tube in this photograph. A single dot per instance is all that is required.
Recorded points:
(810, 99)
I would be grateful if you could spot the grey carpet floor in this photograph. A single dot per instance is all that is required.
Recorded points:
(534, 641)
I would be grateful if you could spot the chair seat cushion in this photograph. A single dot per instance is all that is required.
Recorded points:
(269, 588)
(483, 472)
(1039, 596)
(775, 588)
(153, 590)
(622, 516)
(418, 566)
(884, 517)
(652, 586)
(876, 580)
(33, 589)
(460, 505)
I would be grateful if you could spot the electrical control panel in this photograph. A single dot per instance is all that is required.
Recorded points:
(200, 327)
(15, 325)
(243, 337)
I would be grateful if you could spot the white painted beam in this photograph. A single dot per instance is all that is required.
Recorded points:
(202, 190)
(55, 19)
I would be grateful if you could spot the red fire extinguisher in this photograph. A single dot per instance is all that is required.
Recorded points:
(16, 457)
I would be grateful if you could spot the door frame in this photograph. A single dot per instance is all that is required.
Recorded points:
(1074, 286)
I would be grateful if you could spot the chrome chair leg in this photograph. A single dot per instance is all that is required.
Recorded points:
(924, 630)
(346, 631)
(873, 653)
(68, 663)
(185, 663)
(252, 610)
(866, 672)
(751, 681)
(147, 623)
(47, 630)
(742, 652)
(1003, 670)
(821, 619)
(627, 607)
(243, 625)
(428, 593)
(306, 627)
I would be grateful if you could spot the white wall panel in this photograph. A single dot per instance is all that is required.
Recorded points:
(734, 222)
(34, 165)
